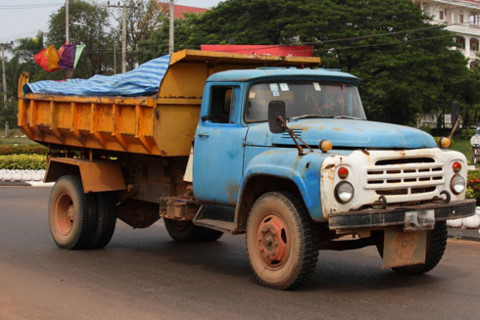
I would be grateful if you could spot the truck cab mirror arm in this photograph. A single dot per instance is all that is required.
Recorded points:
(276, 115)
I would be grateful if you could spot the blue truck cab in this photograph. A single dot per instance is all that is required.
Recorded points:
(288, 157)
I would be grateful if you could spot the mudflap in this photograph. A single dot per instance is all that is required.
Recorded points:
(403, 248)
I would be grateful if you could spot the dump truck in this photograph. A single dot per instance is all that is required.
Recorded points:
(276, 148)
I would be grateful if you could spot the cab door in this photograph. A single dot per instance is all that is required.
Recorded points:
(219, 147)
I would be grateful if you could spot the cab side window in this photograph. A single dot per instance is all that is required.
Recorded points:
(222, 105)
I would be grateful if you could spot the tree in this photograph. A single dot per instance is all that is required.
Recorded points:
(143, 18)
(22, 60)
(186, 36)
(406, 66)
(89, 25)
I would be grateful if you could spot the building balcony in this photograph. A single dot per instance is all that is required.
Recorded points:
(458, 3)
(472, 54)
(467, 29)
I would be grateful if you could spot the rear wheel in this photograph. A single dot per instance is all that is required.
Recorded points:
(106, 219)
(71, 214)
(280, 241)
(186, 231)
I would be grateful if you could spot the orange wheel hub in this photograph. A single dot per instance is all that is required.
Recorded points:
(64, 214)
(272, 240)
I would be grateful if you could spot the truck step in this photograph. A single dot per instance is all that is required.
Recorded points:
(216, 217)
(219, 225)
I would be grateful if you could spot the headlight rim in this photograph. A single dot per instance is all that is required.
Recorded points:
(452, 188)
(336, 192)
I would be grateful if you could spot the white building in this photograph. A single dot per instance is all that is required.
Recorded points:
(462, 17)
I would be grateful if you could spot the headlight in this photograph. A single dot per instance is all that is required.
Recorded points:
(457, 185)
(344, 192)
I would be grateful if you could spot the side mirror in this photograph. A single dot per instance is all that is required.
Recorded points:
(275, 109)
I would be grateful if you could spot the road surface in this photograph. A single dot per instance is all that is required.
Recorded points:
(142, 274)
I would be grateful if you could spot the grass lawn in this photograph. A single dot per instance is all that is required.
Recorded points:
(15, 137)
(463, 146)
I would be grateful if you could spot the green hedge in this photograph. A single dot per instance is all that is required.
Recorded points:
(22, 149)
(473, 185)
(23, 162)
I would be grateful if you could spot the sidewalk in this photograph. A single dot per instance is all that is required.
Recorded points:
(464, 234)
(25, 178)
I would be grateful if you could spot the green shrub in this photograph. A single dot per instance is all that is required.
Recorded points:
(473, 185)
(23, 162)
(22, 149)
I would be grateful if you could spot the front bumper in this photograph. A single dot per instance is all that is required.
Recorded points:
(410, 217)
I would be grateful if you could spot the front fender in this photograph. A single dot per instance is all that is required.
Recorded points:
(302, 170)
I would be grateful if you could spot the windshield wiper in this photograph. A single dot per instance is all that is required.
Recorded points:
(309, 116)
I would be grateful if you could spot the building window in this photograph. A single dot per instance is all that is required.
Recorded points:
(460, 43)
(461, 17)
(440, 15)
(473, 18)
(474, 44)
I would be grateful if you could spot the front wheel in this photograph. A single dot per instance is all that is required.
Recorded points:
(280, 241)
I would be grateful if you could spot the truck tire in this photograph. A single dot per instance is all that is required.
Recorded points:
(280, 241)
(436, 244)
(186, 231)
(71, 214)
(106, 220)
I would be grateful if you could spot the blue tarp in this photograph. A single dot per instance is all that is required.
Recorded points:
(143, 80)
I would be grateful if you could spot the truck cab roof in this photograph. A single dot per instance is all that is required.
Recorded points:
(247, 75)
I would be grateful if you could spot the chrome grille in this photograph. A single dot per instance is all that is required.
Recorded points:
(405, 176)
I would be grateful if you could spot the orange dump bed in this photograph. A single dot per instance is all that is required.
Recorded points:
(162, 125)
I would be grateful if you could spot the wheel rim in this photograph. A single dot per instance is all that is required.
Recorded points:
(64, 214)
(272, 241)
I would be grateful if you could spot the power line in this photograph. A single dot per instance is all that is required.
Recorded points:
(109, 51)
(30, 6)
(383, 44)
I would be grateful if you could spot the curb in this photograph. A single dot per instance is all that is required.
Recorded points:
(25, 184)
(464, 234)
(24, 178)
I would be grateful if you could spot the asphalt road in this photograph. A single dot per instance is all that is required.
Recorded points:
(142, 274)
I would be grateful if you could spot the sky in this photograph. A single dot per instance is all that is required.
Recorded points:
(24, 18)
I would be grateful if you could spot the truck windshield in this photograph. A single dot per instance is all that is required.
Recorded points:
(305, 99)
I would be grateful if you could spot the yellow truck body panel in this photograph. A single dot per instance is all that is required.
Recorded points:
(162, 125)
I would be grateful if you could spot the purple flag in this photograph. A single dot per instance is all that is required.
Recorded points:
(68, 56)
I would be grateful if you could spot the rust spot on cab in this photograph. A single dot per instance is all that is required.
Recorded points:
(330, 166)
(232, 190)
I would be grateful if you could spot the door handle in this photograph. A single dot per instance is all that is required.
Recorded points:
(203, 135)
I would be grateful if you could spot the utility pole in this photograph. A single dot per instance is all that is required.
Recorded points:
(115, 56)
(4, 45)
(67, 34)
(124, 38)
(124, 31)
(171, 28)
